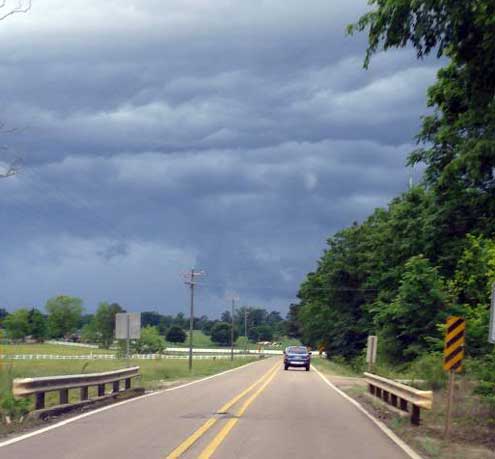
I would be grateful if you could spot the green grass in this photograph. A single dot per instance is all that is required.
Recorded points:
(334, 368)
(45, 348)
(199, 340)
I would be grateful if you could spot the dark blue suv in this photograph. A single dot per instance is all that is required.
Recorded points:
(297, 356)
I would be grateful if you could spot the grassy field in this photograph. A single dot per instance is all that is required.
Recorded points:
(45, 348)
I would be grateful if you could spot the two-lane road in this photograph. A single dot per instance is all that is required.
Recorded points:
(257, 411)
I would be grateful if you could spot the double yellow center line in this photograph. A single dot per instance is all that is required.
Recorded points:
(218, 439)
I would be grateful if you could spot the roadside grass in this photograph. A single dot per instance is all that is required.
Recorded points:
(155, 374)
(333, 368)
(473, 424)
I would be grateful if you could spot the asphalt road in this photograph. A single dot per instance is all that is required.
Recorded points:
(258, 411)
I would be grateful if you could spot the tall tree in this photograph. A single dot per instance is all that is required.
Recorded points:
(16, 324)
(105, 323)
(37, 324)
(64, 315)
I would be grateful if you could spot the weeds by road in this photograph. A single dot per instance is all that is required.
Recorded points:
(473, 428)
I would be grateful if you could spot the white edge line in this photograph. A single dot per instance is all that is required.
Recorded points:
(115, 405)
(400, 443)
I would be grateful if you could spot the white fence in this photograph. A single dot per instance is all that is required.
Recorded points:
(114, 357)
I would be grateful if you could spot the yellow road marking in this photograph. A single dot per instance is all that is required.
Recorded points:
(189, 441)
(220, 437)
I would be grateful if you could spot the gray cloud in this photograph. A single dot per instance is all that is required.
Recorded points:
(236, 136)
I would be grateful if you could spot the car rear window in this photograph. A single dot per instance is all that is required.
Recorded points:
(297, 350)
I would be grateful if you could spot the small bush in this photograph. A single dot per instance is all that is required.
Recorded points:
(429, 368)
(483, 369)
(13, 407)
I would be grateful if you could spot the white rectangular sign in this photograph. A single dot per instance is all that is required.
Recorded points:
(371, 351)
(491, 333)
(128, 325)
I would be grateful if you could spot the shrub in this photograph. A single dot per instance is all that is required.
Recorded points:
(483, 369)
(176, 334)
(220, 333)
(429, 368)
(14, 408)
(150, 341)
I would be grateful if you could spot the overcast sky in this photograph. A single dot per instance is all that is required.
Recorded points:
(157, 135)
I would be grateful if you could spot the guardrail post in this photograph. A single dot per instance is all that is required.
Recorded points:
(371, 389)
(101, 390)
(84, 393)
(415, 416)
(64, 396)
(39, 403)
(116, 386)
(127, 383)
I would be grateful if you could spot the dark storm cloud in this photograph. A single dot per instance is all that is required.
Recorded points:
(236, 136)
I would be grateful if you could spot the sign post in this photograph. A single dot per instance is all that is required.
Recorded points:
(127, 326)
(491, 333)
(452, 362)
(371, 351)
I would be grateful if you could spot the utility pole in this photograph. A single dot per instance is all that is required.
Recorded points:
(233, 299)
(232, 330)
(245, 328)
(190, 276)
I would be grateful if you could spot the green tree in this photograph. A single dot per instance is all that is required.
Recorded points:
(150, 341)
(104, 323)
(293, 321)
(150, 318)
(37, 324)
(262, 333)
(64, 315)
(220, 333)
(3, 314)
(89, 333)
(410, 324)
(458, 138)
(16, 324)
(176, 334)
(470, 291)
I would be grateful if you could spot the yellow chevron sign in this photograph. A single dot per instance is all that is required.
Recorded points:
(454, 344)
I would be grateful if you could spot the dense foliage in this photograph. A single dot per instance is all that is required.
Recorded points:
(175, 334)
(431, 252)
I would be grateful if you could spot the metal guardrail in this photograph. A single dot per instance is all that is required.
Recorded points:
(40, 386)
(400, 396)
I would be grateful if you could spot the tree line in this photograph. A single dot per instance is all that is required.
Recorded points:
(65, 319)
(431, 252)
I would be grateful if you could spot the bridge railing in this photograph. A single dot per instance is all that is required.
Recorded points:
(401, 396)
(40, 386)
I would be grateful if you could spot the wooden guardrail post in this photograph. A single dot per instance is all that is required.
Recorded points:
(64, 396)
(39, 401)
